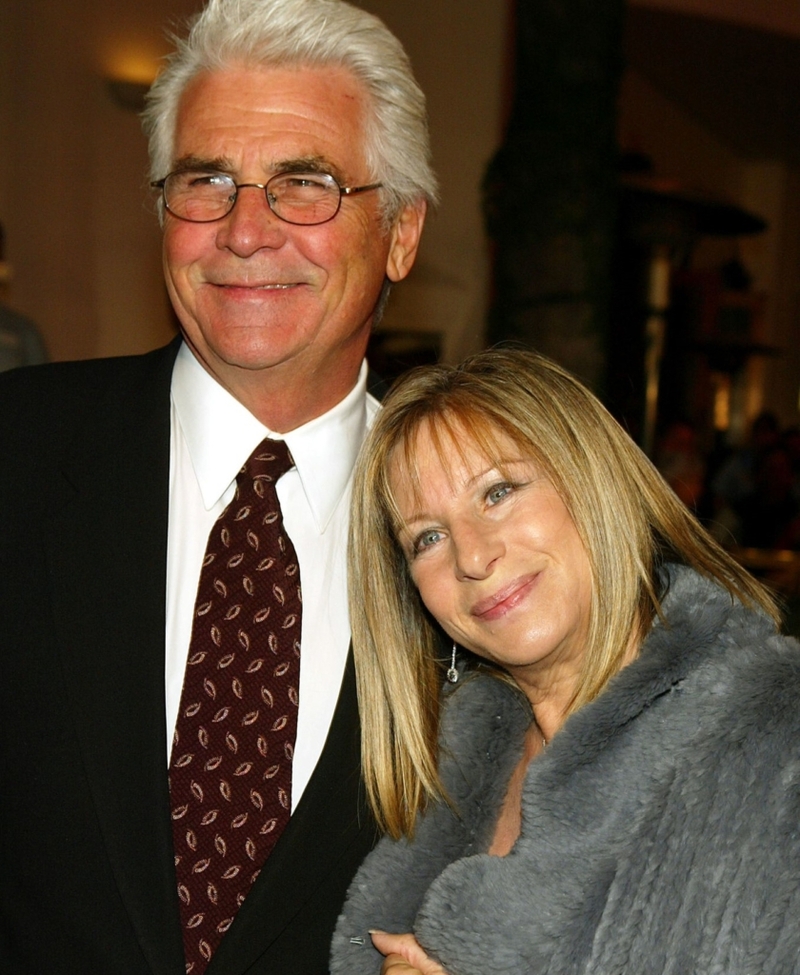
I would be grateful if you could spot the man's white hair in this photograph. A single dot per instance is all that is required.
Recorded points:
(307, 33)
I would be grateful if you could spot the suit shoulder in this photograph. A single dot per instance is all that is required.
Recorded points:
(53, 398)
(82, 378)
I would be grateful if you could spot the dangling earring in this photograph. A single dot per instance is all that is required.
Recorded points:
(452, 672)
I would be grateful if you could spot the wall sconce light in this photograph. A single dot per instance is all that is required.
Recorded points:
(129, 95)
(129, 67)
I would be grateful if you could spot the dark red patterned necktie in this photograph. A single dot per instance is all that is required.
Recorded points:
(231, 766)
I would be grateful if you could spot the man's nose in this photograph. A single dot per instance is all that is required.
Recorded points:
(251, 224)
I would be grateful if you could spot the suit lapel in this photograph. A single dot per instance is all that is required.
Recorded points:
(108, 564)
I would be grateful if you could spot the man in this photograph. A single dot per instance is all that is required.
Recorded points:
(289, 147)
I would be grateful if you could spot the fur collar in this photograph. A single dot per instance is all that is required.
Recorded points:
(651, 837)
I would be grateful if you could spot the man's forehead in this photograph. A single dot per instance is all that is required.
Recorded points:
(274, 86)
(297, 118)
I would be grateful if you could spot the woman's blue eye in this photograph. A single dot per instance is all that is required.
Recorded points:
(498, 492)
(426, 539)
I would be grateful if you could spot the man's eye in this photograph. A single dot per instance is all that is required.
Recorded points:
(206, 180)
(306, 181)
(498, 492)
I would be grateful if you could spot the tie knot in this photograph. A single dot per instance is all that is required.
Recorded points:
(268, 462)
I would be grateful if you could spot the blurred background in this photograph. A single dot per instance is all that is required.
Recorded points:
(620, 189)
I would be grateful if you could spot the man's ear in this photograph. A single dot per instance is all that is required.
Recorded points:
(404, 243)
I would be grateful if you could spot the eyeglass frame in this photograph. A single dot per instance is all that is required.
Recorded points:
(160, 184)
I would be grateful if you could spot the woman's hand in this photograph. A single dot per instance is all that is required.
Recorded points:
(404, 955)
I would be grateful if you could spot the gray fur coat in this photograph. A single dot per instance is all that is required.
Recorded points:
(660, 828)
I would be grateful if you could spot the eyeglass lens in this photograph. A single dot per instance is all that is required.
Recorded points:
(302, 198)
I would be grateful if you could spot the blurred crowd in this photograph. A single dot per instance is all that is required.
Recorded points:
(748, 497)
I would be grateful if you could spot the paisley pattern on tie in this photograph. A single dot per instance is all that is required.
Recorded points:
(231, 764)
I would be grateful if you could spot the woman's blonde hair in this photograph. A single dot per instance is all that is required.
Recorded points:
(629, 520)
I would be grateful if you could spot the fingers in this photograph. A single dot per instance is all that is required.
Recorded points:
(404, 956)
(397, 965)
(399, 944)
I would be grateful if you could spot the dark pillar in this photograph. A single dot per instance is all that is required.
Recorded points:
(550, 191)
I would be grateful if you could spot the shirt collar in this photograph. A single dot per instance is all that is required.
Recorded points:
(220, 434)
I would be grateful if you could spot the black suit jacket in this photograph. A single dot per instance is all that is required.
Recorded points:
(87, 884)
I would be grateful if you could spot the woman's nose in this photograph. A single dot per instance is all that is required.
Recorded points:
(477, 549)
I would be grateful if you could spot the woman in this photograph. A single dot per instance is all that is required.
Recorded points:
(612, 783)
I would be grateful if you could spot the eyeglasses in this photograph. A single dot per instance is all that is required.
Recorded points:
(298, 198)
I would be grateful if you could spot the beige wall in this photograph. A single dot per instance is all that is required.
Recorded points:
(82, 238)
(458, 49)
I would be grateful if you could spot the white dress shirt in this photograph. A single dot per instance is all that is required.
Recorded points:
(212, 436)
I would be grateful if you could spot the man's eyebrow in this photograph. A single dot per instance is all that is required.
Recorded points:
(222, 164)
(191, 164)
(308, 164)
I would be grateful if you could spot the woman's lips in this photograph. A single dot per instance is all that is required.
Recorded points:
(505, 599)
